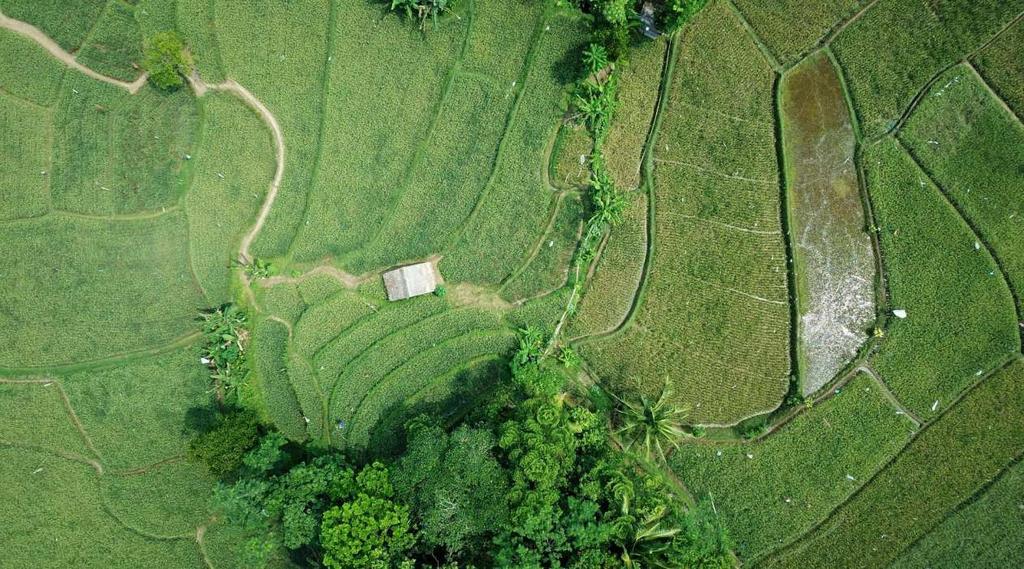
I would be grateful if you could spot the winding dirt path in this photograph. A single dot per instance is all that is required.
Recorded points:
(200, 88)
(37, 35)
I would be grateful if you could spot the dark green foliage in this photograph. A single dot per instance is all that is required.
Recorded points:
(369, 530)
(166, 60)
(422, 10)
(455, 486)
(223, 447)
(675, 13)
(223, 349)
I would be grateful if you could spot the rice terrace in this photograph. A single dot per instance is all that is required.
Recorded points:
(462, 284)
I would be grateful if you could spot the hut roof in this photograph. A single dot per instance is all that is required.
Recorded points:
(410, 280)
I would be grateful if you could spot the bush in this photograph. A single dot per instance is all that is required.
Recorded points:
(166, 60)
(223, 447)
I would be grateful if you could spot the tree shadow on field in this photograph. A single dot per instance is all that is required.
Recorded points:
(472, 388)
(569, 68)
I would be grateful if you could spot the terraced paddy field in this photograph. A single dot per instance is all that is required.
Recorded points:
(820, 258)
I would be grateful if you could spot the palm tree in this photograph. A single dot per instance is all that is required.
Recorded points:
(651, 425)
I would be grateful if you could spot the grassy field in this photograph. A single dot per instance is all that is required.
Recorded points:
(67, 23)
(116, 153)
(771, 491)
(114, 286)
(791, 28)
(1002, 65)
(114, 47)
(832, 252)
(231, 172)
(960, 316)
(939, 469)
(638, 87)
(270, 365)
(920, 39)
(65, 498)
(144, 411)
(612, 288)
(549, 268)
(714, 319)
(287, 70)
(168, 500)
(983, 532)
(974, 149)
(24, 158)
(19, 53)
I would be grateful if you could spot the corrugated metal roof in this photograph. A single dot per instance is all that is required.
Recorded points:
(410, 280)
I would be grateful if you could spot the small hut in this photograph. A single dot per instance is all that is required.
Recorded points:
(410, 280)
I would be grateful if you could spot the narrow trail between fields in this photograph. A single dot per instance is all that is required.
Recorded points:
(44, 41)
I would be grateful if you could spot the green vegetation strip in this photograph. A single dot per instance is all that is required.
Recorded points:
(1002, 65)
(24, 158)
(942, 467)
(18, 53)
(959, 314)
(771, 491)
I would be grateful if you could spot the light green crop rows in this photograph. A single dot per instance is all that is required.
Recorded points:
(142, 412)
(35, 416)
(323, 322)
(974, 148)
(285, 70)
(78, 289)
(491, 246)
(364, 372)
(170, 499)
(17, 54)
(919, 40)
(40, 488)
(637, 97)
(405, 382)
(771, 491)
(939, 469)
(270, 365)
(385, 83)
(714, 320)
(960, 318)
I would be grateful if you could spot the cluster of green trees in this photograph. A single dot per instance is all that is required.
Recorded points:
(616, 21)
(534, 479)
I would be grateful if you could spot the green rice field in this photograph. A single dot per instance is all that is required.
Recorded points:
(817, 269)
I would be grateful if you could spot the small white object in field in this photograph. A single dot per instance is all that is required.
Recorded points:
(750, 455)
(307, 420)
(719, 453)
(900, 413)
(75, 91)
(205, 361)
(850, 477)
(977, 246)
(48, 384)
(788, 500)
(219, 175)
(38, 470)
(188, 157)
(935, 405)
(899, 313)
(979, 372)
